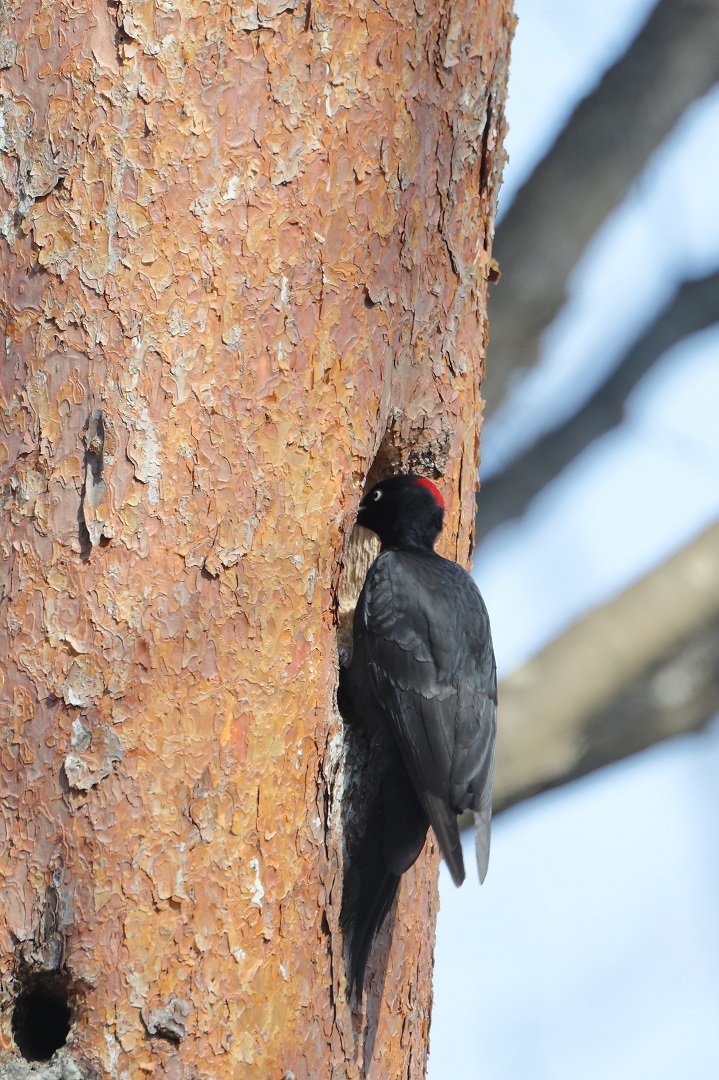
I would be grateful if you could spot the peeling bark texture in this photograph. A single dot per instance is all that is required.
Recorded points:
(637, 670)
(245, 248)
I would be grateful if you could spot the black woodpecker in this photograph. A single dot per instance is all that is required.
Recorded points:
(423, 682)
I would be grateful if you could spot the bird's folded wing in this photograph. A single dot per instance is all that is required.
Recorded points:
(441, 706)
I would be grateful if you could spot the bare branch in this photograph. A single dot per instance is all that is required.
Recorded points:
(640, 669)
(507, 495)
(673, 61)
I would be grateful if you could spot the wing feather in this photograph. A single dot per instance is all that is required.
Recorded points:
(428, 644)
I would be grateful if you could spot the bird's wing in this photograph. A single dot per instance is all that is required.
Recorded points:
(422, 726)
(432, 671)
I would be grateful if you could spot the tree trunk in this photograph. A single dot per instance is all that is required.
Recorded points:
(245, 249)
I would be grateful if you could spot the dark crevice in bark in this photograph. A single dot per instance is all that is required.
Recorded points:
(485, 162)
(42, 1015)
(121, 35)
(94, 487)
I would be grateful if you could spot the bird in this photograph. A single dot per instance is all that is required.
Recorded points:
(422, 681)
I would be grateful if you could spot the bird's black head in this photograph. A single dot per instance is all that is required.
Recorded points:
(405, 511)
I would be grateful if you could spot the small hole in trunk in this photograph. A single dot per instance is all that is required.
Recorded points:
(42, 1016)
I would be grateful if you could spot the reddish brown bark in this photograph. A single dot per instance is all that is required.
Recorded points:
(244, 245)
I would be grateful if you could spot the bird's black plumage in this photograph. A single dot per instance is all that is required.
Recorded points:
(423, 682)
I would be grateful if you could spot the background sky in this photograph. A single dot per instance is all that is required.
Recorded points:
(592, 950)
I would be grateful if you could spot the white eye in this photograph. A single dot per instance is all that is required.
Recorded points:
(376, 496)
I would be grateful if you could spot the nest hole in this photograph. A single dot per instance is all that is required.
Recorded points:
(42, 1016)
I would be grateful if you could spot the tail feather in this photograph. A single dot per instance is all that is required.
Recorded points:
(444, 823)
(482, 810)
(370, 887)
(482, 837)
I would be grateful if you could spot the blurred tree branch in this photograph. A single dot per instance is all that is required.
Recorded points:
(673, 61)
(637, 670)
(505, 496)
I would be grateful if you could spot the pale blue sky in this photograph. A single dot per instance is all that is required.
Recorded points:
(592, 950)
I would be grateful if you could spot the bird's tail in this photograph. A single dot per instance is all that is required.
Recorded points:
(482, 811)
(444, 824)
(482, 836)
(369, 889)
